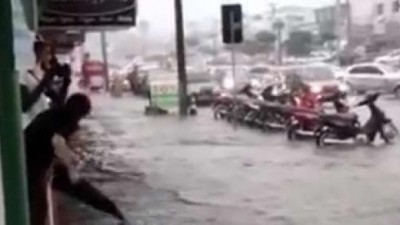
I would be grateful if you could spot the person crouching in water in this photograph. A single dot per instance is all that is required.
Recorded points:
(44, 138)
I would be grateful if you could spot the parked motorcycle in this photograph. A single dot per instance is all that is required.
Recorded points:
(304, 122)
(227, 106)
(341, 127)
(270, 110)
(223, 105)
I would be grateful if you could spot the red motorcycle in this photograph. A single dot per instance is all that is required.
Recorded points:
(303, 123)
(305, 117)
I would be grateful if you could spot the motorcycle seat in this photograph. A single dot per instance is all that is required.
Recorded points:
(340, 116)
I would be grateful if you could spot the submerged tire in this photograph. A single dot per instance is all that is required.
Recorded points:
(292, 132)
(320, 138)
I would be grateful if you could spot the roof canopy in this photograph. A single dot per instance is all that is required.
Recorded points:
(79, 14)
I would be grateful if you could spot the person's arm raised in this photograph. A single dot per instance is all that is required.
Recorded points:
(29, 98)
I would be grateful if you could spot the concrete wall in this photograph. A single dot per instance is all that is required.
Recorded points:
(384, 27)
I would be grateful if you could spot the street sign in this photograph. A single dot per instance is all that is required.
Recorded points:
(232, 25)
(87, 14)
(232, 33)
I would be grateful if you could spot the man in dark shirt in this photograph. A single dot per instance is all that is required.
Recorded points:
(40, 153)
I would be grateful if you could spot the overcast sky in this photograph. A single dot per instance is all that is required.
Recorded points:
(160, 13)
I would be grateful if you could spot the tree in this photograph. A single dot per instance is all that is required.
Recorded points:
(257, 17)
(327, 37)
(249, 47)
(206, 49)
(252, 47)
(266, 37)
(299, 43)
(192, 41)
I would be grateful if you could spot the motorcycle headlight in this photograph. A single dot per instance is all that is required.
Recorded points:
(255, 83)
(216, 90)
(343, 87)
(126, 83)
(228, 83)
(316, 89)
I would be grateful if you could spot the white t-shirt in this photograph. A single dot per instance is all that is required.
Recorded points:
(31, 81)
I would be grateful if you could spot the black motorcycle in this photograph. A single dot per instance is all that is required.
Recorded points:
(270, 109)
(223, 105)
(346, 126)
(244, 107)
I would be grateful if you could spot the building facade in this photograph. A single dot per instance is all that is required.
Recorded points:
(294, 18)
(326, 20)
(381, 18)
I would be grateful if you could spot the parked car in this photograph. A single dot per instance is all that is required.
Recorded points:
(392, 58)
(373, 77)
(202, 87)
(319, 78)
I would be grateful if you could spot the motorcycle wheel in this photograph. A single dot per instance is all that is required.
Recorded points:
(251, 118)
(292, 132)
(320, 138)
(259, 121)
(217, 114)
(391, 131)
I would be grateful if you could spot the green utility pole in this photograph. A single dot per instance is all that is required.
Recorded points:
(12, 157)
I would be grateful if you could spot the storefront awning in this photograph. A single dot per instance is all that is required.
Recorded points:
(79, 15)
(63, 41)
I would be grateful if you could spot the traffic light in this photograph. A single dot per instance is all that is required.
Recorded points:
(232, 29)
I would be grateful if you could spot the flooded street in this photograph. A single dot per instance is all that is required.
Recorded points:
(167, 171)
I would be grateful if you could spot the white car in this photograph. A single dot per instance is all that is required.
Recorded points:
(261, 73)
(393, 58)
(366, 77)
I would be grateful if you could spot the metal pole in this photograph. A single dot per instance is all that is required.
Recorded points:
(180, 54)
(235, 99)
(233, 61)
(338, 24)
(349, 22)
(12, 157)
(279, 47)
(104, 52)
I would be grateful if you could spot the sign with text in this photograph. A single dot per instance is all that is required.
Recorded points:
(88, 14)
(232, 27)
(164, 94)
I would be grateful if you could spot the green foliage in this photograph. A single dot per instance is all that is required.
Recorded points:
(266, 37)
(327, 37)
(299, 43)
(192, 41)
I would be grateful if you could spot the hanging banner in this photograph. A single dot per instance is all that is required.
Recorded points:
(87, 14)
